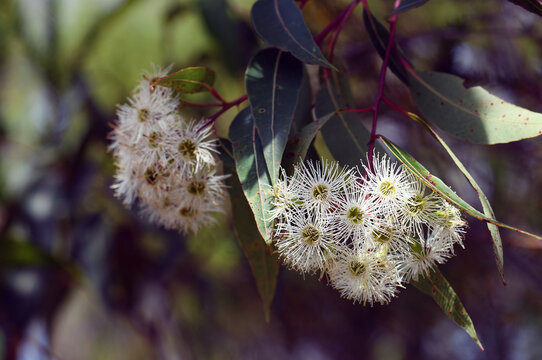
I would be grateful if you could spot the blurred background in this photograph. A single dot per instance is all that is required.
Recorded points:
(81, 277)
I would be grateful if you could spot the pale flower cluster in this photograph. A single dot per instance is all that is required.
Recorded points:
(165, 164)
(369, 233)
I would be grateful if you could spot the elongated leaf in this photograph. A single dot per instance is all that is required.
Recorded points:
(472, 114)
(437, 185)
(488, 211)
(344, 134)
(281, 23)
(534, 6)
(436, 286)
(408, 5)
(263, 262)
(379, 37)
(189, 80)
(252, 170)
(273, 80)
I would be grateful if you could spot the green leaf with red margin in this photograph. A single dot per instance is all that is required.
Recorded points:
(472, 114)
(263, 262)
(280, 23)
(252, 170)
(438, 186)
(189, 80)
(488, 211)
(436, 286)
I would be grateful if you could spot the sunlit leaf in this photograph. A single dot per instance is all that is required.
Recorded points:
(438, 186)
(252, 170)
(408, 5)
(488, 211)
(281, 23)
(189, 80)
(273, 80)
(436, 286)
(472, 114)
(379, 37)
(263, 262)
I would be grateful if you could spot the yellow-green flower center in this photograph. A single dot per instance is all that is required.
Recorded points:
(320, 192)
(356, 267)
(382, 235)
(387, 189)
(415, 204)
(310, 234)
(143, 115)
(187, 148)
(355, 215)
(196, 187)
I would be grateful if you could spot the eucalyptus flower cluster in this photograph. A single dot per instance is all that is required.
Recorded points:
(167, 165)
(370, 231)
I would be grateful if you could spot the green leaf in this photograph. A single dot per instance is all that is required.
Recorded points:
(379, 37)
(344, 134)
(189, 80)
(252, 170)
(263, 262)
(534, 6)
(438, 186)
(472, 114)
(273, 80)
(436, 286)
(488, 211)
(408, 5)
(281, 23)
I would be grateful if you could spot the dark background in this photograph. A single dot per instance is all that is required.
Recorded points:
(81, 277)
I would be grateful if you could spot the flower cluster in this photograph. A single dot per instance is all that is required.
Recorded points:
(370, 233)
(164, 163)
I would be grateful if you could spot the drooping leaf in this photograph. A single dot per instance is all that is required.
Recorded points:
(252, 170)
(379, 37)
(472, 114)
(534, 6)
(273, 80)
(408, 5)
(436, 286)
(344, 134)
(189, 80)
(280, 23)
(438, 186)
(303, 109)
(488, 211)
(263, 262)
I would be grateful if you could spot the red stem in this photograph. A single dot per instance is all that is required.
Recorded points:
(225, 107)
(381, 82)
(332, 25)
(343, 17)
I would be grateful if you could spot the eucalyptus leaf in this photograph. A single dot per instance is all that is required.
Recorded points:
(264, 263)
(471, 114)
(252, 170)
(280, 23)
(273, 81)
(534, 6)
(189, 80)
(436, 286)
(408, 5)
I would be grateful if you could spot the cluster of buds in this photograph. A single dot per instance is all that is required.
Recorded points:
(370, 231)
(166, 164)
